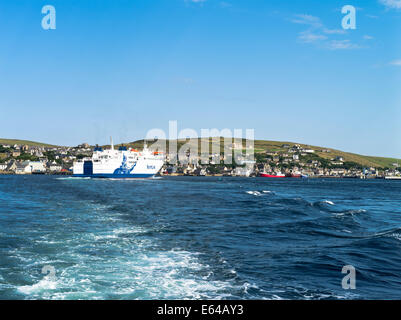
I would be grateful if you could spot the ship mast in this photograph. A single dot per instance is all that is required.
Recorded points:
(111, 143)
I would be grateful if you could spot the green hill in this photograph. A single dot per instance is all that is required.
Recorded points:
(371, 161)
(263, 146)
(24, 142)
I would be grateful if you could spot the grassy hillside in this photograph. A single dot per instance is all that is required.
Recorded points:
(24, 142)
(276, 146)
(262, 146)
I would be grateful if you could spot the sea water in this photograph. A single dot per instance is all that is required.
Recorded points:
(198, 238)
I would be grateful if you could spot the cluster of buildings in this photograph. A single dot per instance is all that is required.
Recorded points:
(319, 163)
(26, 159)
(289, 160)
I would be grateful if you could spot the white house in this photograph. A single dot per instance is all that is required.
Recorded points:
(37, 166)
(27, 167)
(242, 172)
(55, 167)
(23, 168)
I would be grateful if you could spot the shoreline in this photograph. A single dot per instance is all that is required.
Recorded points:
(10, 173)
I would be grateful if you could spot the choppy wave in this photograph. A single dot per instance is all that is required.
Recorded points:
(260, 193)
(152, 275)
(350, 212)
(132, 267)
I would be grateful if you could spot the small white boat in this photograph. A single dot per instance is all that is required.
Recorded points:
(392, 177)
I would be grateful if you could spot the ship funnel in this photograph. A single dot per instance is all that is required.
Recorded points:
(111, 143)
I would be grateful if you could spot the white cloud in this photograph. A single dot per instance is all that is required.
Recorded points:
(321, 36)
(341, 45)
(310, 37)
(200, 2)
(225, 4)
(367, 37)
(396, 63)
(391, 4)
(334, 31)
(308, 20)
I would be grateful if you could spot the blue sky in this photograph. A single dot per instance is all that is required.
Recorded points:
(284, 68)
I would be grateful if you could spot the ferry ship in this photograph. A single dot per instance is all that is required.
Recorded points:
(122, 163)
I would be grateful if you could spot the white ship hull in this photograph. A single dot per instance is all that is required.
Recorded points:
(119, 164)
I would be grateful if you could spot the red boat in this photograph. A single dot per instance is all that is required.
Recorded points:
(277, 175)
